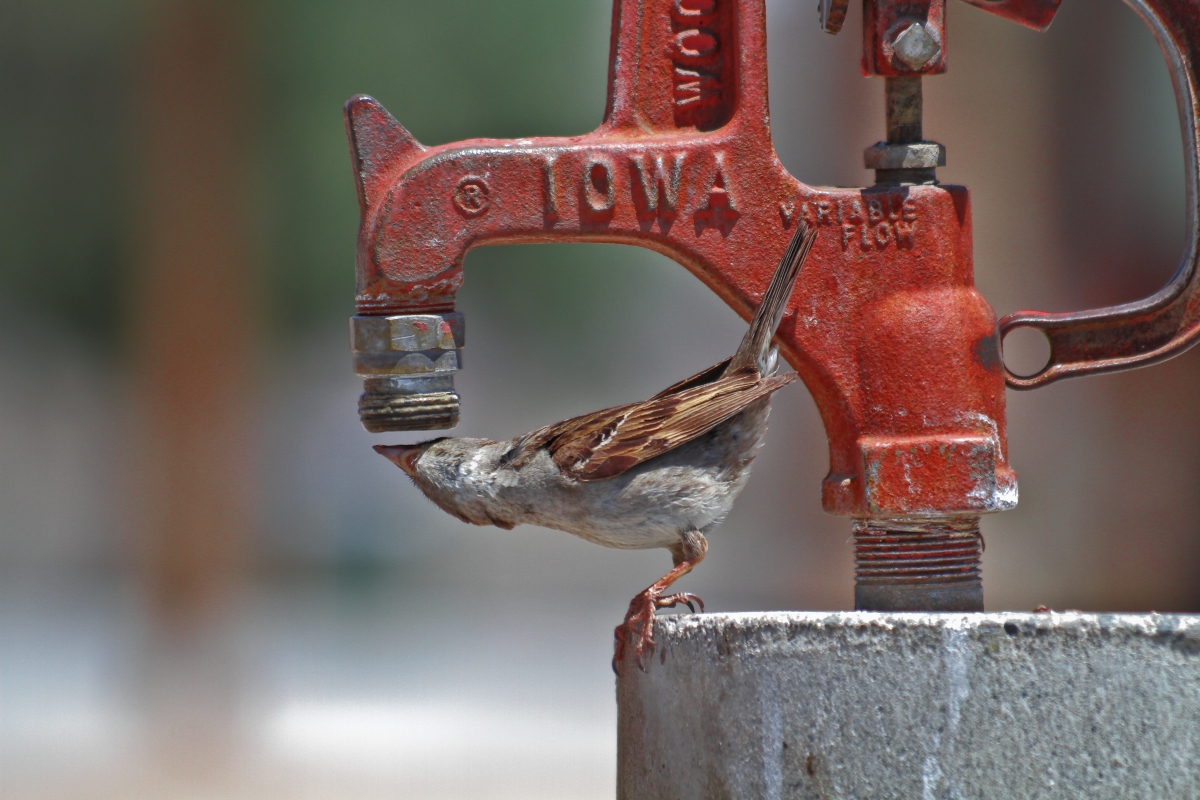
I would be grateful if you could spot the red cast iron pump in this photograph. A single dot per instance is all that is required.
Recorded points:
(886, 328)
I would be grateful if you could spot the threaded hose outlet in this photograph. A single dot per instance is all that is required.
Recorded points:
(918, 564)
(408, 404)
(407, 363)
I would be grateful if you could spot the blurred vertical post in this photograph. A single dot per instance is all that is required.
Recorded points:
(193, 315)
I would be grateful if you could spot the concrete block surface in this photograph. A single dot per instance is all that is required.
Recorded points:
(930, 706)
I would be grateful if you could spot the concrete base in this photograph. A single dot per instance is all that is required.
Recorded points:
(871, 705)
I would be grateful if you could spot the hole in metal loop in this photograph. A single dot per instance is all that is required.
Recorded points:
(1026, 351)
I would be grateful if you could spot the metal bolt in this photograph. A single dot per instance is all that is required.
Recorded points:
(915, 47)
(918, 564)
(905, 159)
(919, 155)
(904, 110)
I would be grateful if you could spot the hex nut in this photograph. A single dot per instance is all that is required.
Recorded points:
(407, 333)
(409, 344)
(918, 155)
(915, 47)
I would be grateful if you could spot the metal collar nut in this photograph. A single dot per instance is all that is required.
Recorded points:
(409, 333)
(408, 364)
(408, 403)
(919, 155)
(410, 344)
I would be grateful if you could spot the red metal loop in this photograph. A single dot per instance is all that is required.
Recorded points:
(1166, 324)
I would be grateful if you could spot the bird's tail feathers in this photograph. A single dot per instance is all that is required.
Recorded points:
(755, 347)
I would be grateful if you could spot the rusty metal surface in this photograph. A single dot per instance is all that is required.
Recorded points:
(904, 39)
(905, 110)
(1164, 325)
(885, 326)
(1035, 14)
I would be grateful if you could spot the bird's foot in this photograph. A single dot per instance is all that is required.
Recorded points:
(639, 621)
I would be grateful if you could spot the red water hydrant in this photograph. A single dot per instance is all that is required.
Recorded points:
(886, 328)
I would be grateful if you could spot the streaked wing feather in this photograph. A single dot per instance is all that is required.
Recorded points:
(569, 439)
(757, 342)
(610, 445)
(559, 435)
(607, 442)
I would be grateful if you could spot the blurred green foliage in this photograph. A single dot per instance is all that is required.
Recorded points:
(63, 118)
(448, 70)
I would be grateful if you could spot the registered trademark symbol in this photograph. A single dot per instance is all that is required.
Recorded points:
(471, 196)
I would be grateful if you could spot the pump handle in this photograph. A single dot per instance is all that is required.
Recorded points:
(1167, 323)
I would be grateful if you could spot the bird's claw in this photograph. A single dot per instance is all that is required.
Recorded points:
(639, 621)
(686, 598)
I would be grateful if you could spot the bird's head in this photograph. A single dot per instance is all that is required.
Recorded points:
(448, 471)
(406, 456)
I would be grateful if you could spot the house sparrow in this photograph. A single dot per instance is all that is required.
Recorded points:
(660, 473)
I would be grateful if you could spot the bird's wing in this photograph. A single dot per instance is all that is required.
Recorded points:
(526, 446)
(606, 443)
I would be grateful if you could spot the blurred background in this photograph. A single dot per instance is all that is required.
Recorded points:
(211, 587)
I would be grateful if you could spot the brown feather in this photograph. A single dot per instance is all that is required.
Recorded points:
(753, 350)
(607, 442)
(659, 425)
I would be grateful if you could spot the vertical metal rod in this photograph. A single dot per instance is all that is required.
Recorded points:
(918, 565)
(904, 110)
(905, 158)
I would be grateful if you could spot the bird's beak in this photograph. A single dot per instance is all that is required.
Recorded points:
(403, 456)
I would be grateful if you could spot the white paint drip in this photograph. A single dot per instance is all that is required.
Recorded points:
(957, 657)
(772, 717)
(931, 775)
(956, 662)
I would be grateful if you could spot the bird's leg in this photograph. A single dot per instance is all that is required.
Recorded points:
(639, 620)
